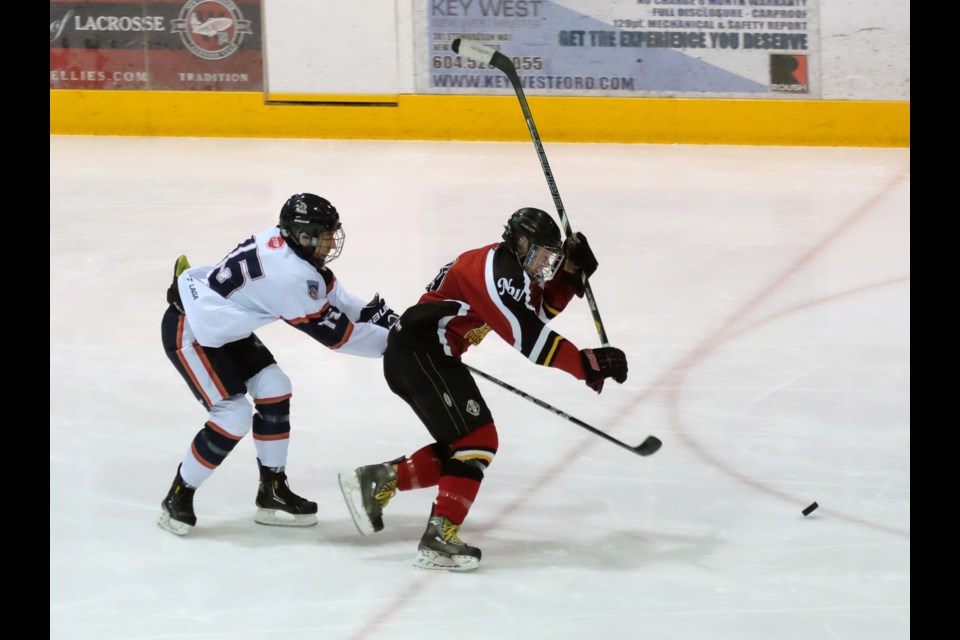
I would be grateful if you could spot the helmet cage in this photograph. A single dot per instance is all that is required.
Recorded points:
(542, 263)
(543, 255)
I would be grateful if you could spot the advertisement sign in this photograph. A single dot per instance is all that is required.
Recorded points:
(162, 45)
(623, 48)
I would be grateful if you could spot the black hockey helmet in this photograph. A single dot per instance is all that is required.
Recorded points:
(304, 218)
(541, 232)
(535, 225)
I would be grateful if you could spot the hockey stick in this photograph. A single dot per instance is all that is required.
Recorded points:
(645, 448)
(485, 55)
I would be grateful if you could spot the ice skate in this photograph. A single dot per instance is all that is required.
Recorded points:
(278, 505)
(177, 515)
(441, 548)
(367, 490)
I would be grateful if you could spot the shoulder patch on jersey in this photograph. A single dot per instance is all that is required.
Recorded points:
(313, 289)
(276, 242)
(475, 336)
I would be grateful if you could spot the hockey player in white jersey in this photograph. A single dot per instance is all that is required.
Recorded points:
(280, 273)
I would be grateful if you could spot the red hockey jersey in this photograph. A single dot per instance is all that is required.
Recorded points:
(486, 289)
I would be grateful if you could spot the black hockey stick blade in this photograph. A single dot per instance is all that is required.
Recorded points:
(649, 446)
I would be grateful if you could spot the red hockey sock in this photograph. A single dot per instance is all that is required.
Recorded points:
(455, 498)
(462, 473)
(422, 469)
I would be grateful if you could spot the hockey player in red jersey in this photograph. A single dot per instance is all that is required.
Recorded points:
(280, 273)
(508, 288)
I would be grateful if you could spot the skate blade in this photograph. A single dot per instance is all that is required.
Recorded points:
(277, 518)
(350, 488)
(173, 526)
(433, 560)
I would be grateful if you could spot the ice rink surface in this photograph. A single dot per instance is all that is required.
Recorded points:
(762, 295)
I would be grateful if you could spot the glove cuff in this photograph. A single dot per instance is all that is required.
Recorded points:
(575, 280)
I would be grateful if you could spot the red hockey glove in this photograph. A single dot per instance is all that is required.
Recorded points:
(600, 364)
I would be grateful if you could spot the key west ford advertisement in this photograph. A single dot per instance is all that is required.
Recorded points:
(170, 45)
(622, 48)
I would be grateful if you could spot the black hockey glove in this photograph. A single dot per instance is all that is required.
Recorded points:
(173, 297)
(377, 312)
(577, 252)
(600, 364)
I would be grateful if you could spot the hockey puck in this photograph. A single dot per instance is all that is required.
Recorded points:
(809, 510)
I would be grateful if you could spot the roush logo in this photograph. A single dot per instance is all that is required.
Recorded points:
(788, 73)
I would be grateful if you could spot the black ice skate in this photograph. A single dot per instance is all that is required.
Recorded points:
(367, 490)
(278, 505)
(177, 516)
(441, 548)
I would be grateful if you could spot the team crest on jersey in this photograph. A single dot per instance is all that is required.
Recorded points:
(313, 289)
(275, 242)
(473, 408)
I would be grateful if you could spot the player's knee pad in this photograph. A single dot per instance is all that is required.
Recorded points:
(272, 420)
(469, 469)
(475, 451)
(232, 416)
(271, 390)
(270, 384)
(229, 422)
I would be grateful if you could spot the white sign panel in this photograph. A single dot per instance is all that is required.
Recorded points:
(622, 48)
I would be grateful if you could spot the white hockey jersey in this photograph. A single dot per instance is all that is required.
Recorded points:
(261, 281)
